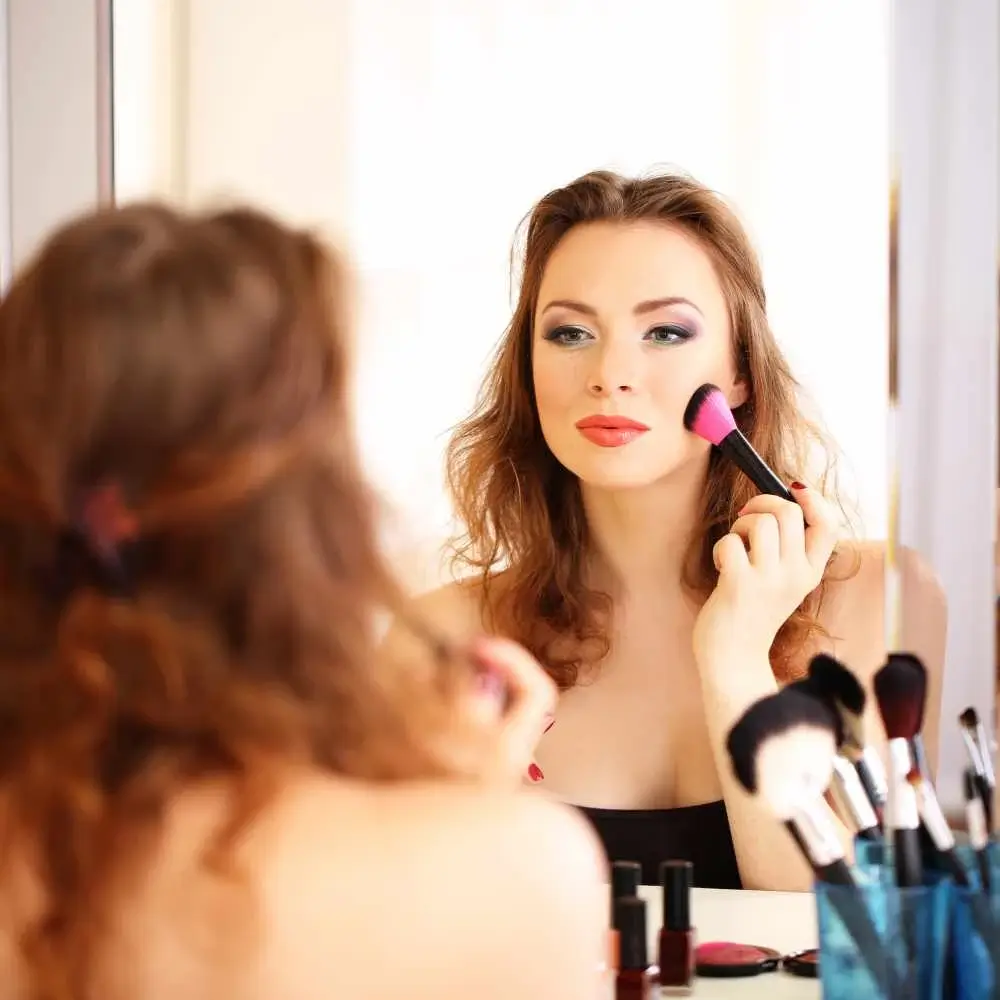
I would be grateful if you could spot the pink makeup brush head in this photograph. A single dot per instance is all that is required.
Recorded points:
(708, 414)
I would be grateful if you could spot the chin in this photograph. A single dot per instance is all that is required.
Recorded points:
(629, 468)
(616, 470)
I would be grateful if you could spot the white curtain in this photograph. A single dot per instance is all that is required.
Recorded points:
(947, 96)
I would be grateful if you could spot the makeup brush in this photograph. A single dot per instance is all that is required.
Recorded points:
(708, 415)
(852, 802)
(980, 757)
(932, 816)
(900, 690)
(975, 821)
(836, 684)
(782, 751)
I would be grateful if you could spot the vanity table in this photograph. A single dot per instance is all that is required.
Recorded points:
(785, 921)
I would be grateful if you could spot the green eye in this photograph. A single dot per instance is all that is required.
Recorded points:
(671, 334)
(568, 335)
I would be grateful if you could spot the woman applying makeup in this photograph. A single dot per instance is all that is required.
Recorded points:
(207, 787)
(659, 591)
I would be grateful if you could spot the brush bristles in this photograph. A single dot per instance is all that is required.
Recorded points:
(901, 693)
(969, 718)
(832, 680)
(696, 402)
(782, 749)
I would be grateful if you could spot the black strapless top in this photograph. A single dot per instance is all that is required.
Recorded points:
(699, 834)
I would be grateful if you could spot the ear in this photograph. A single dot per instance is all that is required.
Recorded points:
(738, 393)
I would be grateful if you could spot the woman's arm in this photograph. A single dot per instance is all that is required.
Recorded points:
(773, 556)
(767, 856)
(854, 620)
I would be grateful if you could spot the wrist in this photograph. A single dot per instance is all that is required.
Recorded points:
(726, 660)
(737, 677)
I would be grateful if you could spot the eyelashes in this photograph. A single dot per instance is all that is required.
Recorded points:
(666, 334)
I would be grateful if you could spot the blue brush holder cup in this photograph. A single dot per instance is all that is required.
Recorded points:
(880, 942)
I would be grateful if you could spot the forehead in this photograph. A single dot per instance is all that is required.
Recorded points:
(621, 263)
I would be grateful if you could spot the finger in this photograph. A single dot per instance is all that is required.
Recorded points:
(730, 556)
(822, 524)
(764, 539)
(761, 536)
(531, 693)
(790, 519)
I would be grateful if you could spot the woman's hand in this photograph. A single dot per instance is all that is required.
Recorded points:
(774, 556)
(515, 700)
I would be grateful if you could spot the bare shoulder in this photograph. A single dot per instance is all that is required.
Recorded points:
(857, 578)
(456, 604)
(435, 888)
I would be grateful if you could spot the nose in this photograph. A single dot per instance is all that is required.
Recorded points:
(614, 371)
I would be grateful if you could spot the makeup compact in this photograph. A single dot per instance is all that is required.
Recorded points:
(802, 963)
(728, 960)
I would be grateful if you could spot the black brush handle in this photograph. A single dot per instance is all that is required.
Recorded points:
(907, 857)
(986, 794)
(950, 863)
(872, 788)
(908, 862)
(740, 451)
(850, 907)
(873, 833)
(983, 863)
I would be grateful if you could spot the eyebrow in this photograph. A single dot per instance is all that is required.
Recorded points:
(650, 305)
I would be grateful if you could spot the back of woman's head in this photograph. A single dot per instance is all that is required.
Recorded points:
(189, 576)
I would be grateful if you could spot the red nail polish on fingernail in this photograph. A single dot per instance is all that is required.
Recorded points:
(798, 486)
(535, 772)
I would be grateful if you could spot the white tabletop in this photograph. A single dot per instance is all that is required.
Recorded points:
(785, 921)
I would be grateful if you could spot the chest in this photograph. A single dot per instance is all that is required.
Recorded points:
(633, 733)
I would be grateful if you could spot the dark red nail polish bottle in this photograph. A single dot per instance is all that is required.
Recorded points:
(625, 879)
(677, 940)
(634, 980)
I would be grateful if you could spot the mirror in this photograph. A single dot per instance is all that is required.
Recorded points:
(419, 135)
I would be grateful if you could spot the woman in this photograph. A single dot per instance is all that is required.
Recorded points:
(206, 787)
(660, 593)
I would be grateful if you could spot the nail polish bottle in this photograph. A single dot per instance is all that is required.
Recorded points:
(677, 939)
(634, 980)
(625, 879)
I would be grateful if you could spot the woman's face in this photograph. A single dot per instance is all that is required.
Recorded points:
(630, 321)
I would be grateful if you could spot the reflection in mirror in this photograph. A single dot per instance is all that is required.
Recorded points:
(420, 142)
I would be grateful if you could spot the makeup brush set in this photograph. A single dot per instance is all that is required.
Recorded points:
(914, 915)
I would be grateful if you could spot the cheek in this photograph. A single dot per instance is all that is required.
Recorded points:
(672, 385)
(555, 378)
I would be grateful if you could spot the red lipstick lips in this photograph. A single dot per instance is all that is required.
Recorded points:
(610, 432)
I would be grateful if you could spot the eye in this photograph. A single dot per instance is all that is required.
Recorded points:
(670, 334)
(568, 335)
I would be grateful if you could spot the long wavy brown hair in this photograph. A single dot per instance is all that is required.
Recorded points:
(525, 534)
(197, 366)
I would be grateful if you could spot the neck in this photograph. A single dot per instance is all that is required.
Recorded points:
(640, 537)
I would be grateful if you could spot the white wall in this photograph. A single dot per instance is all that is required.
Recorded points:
(420, 132)
(55, 149)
